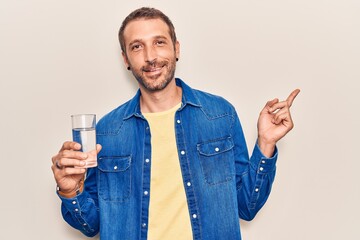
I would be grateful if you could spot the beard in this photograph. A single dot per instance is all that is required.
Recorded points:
(158, 81)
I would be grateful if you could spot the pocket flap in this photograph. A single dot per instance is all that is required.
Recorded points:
(215, 147)
(114, 164)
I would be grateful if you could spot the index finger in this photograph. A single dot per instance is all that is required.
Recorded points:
(68, 145)
(292, 96)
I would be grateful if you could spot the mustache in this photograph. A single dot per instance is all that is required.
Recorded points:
(151, 65)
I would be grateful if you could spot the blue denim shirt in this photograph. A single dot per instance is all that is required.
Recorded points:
(221, 183)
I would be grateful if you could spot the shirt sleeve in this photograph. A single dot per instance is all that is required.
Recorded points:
(254, 175)
(82, 211)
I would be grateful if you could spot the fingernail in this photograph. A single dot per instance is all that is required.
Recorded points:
(82, 163)
(84, 156)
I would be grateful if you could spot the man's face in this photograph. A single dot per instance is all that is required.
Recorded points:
(150, 53)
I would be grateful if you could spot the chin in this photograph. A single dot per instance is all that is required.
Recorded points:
(156, 85)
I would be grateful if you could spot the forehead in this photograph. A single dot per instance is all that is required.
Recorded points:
(143, 29)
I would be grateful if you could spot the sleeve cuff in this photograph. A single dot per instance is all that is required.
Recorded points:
(73, 204)
(261, 163)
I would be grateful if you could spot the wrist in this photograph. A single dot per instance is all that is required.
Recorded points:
(72, 193)
(266, 148)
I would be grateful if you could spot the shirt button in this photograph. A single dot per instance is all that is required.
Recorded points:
(263, 161)
(84, 224)
(143, 225)
(261, 168)
(147, 160)
(188, 184)
(217, 149)
(74, 202)
(182, 152)
(76, 210)
(194, 216)
(115, 167)
(146, 193)
(256, 189)
(178, 121)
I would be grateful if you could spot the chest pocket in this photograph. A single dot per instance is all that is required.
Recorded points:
(114, 178)
(216, 158)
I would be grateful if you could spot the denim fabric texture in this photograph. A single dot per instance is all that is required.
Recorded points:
(221, 182)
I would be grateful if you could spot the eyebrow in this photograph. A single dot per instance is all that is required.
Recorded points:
(140, 40)
(160, 36)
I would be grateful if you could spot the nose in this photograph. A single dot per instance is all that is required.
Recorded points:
(150, 54)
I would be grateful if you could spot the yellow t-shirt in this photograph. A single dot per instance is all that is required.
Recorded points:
(168, 211)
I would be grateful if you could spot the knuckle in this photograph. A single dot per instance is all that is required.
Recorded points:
(53, 159)
(66, 145)
(63, 146)
(60, 155)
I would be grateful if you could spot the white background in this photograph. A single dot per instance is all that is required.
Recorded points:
(59, 58)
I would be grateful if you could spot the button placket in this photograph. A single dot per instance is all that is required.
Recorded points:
(146, 181)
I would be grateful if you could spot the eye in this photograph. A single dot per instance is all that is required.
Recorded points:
(160, 42)
(135, 47)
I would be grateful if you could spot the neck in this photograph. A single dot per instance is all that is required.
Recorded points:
(162, 100)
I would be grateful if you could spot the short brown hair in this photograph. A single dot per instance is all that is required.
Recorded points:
(145, 13)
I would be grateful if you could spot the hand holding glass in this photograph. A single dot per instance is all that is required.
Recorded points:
(83, 130)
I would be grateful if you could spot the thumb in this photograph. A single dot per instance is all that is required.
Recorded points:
(98, 148)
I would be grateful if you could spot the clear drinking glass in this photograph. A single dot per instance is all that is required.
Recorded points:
(83, 130)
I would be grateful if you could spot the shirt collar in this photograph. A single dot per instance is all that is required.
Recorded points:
(188, 98)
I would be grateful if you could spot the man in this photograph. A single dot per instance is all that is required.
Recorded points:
(172, 161)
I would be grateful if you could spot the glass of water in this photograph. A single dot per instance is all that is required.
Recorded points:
(83, 131)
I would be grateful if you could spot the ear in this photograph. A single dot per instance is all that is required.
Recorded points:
(126, 61)
(177, 49)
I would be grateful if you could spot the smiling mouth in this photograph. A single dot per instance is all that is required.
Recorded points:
(154, 67)
(152, 70)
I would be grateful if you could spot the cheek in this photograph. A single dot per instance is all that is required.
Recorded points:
(135, 60)
(166, 53)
